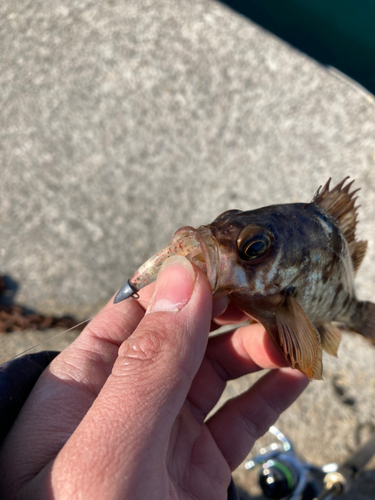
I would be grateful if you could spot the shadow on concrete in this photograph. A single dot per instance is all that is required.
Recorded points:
(8, 290)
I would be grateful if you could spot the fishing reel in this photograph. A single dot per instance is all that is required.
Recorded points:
(284, 476)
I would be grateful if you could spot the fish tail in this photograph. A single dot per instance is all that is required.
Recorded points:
(363, 320)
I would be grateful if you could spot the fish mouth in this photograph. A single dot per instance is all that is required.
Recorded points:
(198, 245)
(207, 255)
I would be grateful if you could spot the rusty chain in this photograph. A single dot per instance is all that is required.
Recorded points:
(15, 318)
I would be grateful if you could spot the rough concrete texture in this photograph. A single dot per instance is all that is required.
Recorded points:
(122, 121)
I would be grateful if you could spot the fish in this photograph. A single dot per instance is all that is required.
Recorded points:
(290, 267)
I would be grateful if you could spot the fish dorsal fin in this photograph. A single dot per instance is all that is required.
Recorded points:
(339, 203)
(299, 339)
(358, 252)
(330, 336)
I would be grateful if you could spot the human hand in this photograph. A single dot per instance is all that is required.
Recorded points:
(120, 414)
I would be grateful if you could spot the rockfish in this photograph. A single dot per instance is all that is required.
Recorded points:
(291, 267)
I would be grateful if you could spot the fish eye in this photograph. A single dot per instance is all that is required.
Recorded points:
(254, 243)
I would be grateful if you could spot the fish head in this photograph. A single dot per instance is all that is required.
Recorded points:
(252, 253)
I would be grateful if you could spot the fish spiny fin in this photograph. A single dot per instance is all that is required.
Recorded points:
(358, 252)
(299, 339)
(340, 204)
(330, 336)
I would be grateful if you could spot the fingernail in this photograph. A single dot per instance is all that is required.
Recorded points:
(174, 285)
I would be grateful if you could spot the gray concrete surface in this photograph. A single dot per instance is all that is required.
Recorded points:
(122, 121)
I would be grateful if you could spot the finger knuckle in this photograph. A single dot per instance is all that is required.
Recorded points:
(147, 347)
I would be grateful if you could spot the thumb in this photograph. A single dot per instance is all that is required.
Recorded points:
(165, 351)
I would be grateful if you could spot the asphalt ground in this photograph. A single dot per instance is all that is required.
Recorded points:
(122, 121)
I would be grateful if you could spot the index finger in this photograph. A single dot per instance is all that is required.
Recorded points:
(99, 342)
(246, 349)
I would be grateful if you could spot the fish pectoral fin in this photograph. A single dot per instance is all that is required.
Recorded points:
(299, 339)
(330, 336)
